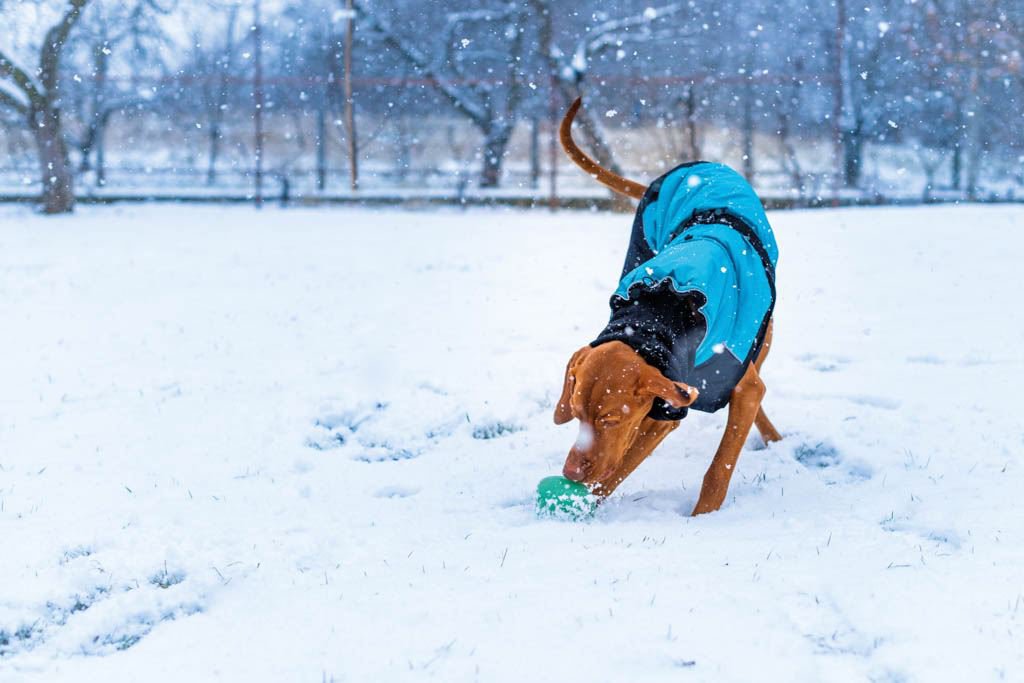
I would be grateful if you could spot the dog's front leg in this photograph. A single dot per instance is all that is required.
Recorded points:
(651, 433)
(743, 406)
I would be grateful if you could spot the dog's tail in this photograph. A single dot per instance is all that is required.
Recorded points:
(610, 180)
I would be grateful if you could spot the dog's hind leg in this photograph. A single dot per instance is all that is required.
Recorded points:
(743, 409)
(768, 431)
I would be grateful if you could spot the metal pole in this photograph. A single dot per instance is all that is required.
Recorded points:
(350, 113)
(840, 94)
(748, 127)
(321, 147)
(257, 92)
(546, 40)
(553, 146)
(534, 152)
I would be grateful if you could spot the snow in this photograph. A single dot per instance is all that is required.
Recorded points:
(302, 445)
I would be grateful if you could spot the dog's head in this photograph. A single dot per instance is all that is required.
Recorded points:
(610, 389)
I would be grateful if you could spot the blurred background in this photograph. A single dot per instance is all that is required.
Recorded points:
(387, 101)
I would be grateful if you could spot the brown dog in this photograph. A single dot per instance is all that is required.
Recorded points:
(615, 392)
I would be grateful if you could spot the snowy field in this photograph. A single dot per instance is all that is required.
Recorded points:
(302, 445)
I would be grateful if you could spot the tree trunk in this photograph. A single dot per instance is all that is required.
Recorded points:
(321, 146)
(955, 171)
(58, 182)
(974, 157)
(748, 132)
(853, 149)
(214, 153)
(100, 66)
(534, 152)
(101, 153)
(496, 141)
(403, 151)
(690, 104)
(85, 152)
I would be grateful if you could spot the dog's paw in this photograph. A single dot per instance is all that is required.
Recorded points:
(396, 492)
(826, 459)
(495, 429)
(823, 362)
(387, 430)
(101, 617)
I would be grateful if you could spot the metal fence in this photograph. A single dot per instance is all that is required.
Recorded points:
(181, 147)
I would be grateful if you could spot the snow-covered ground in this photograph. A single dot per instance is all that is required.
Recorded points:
(302, 445)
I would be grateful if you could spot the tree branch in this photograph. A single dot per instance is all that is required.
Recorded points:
(8, 100)
(9, 69)
(421, 64)
(610, 33)
(53, 44)
(515, 80)
(568, 71)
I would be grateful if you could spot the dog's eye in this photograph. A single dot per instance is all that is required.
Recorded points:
(609, 420)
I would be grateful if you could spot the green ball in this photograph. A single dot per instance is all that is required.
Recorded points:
(564, 498)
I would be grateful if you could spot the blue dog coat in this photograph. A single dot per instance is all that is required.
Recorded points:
(698, 287)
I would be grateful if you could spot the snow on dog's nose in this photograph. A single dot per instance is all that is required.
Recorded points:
(577, 463)
(585, 439)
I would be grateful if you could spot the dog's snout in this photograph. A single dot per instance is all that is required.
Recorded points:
(575, 466)
(573, 471)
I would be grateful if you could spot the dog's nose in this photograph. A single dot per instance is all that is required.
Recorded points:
(575, 467)
(573, 472)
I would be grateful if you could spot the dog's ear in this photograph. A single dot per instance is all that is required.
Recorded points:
(563, 411)
(676, 394)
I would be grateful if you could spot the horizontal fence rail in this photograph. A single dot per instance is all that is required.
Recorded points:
(201, 143)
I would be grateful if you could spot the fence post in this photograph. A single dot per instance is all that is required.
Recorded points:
(350, 114)
(553, 146)
(257, 91)
(748, 126)
(321, 146)
(534, 152)
(838, 109)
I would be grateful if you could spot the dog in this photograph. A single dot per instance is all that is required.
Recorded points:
(690, 326)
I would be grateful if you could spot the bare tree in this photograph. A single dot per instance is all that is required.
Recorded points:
(98, 109)
(111, 38)
(786, 102)
(870, 78)
(490, 103)
(991, 41)
(568, 70)
(967, 54)
(37, 99)
(675, 129)
(214, 67)
(688, 101)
